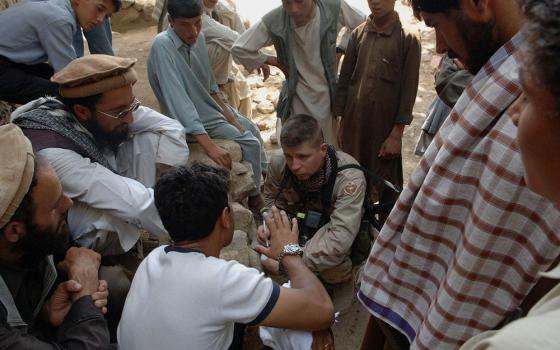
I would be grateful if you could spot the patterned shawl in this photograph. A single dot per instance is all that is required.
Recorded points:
(466, 241)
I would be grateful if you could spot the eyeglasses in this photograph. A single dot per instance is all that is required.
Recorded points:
(120, 115)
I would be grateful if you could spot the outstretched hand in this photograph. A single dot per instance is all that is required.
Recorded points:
(282, 232)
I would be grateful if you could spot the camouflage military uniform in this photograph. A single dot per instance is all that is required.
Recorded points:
(327, 253)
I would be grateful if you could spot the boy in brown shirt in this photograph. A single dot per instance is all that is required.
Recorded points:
(376, 93)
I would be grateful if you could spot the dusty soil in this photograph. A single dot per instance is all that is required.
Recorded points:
(135, 42)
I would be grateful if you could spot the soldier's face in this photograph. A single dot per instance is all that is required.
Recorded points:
(187, 29)
(306, 159)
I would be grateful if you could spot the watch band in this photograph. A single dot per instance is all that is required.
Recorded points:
(289, 249)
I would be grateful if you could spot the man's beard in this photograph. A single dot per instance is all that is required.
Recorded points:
(480, 43)
(110, 140)
(40, 242)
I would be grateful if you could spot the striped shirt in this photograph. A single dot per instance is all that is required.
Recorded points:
(466, 240)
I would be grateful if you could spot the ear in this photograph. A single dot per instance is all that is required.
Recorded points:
(170, 20)
(324, 147)
(226, 218)
(14, 231)
(83, 113)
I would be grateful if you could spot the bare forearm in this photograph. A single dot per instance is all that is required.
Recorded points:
(302, 278)
(204, 141)
(398, 130)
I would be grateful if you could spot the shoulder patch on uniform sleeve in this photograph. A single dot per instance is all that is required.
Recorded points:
(350, 188)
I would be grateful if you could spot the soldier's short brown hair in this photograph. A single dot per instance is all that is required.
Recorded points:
(301, 129)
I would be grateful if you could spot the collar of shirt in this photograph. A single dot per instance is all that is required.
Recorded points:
(177, 42)
(370, 26)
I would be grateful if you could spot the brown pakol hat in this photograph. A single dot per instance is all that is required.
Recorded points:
(94, 74)
(16, 172)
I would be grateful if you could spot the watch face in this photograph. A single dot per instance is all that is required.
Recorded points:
(292, 248)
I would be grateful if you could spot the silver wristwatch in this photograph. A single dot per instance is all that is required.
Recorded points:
(289, 249)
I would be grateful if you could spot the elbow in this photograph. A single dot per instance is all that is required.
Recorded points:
(325, 315)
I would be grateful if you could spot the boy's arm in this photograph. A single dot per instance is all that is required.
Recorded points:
(346, 71)
(57, 40)
(392, 147)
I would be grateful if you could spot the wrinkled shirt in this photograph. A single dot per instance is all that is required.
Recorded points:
(39, 31)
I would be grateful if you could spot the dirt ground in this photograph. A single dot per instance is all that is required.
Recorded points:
(135, 42)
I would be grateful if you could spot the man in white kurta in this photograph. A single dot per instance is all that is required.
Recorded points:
(111, 187)
(312, 95)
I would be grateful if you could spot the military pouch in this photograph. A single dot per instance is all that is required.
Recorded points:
(362, 244)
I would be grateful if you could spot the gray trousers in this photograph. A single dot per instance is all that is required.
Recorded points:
(252, 145)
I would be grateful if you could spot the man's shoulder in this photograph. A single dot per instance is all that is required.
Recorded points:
(354, 174)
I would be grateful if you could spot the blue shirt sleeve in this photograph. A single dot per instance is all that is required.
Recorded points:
(56, 39)
(164, 74)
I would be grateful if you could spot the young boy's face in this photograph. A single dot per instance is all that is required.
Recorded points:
(92, 13)
(381, 8)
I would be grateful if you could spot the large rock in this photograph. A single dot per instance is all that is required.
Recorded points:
(244, 221)
(265, 107)
(240, 251)
(197, 153)
(125, 16)
(126, 4)
(242, 183)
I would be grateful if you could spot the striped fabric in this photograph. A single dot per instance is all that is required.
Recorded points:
(466, 240)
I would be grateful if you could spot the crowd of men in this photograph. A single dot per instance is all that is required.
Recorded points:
(466, 256)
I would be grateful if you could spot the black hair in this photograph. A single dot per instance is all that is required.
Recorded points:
(300, 129)
(542, 49)
(89, 101)
(184, 8)
(433, 6)
(191, 199)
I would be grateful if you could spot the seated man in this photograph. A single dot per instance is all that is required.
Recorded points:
(183, 82)
(32, 227)
(195, 297)
(300, 182)
(106, 150)
(36, 32)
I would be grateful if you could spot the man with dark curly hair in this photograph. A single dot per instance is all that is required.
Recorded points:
(195, 297)
(462, 250)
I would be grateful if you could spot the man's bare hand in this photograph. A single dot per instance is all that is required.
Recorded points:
(220, 156)
(82, 265)
(60, 302)
(391, 148)
(282, 232)
(99, 298)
